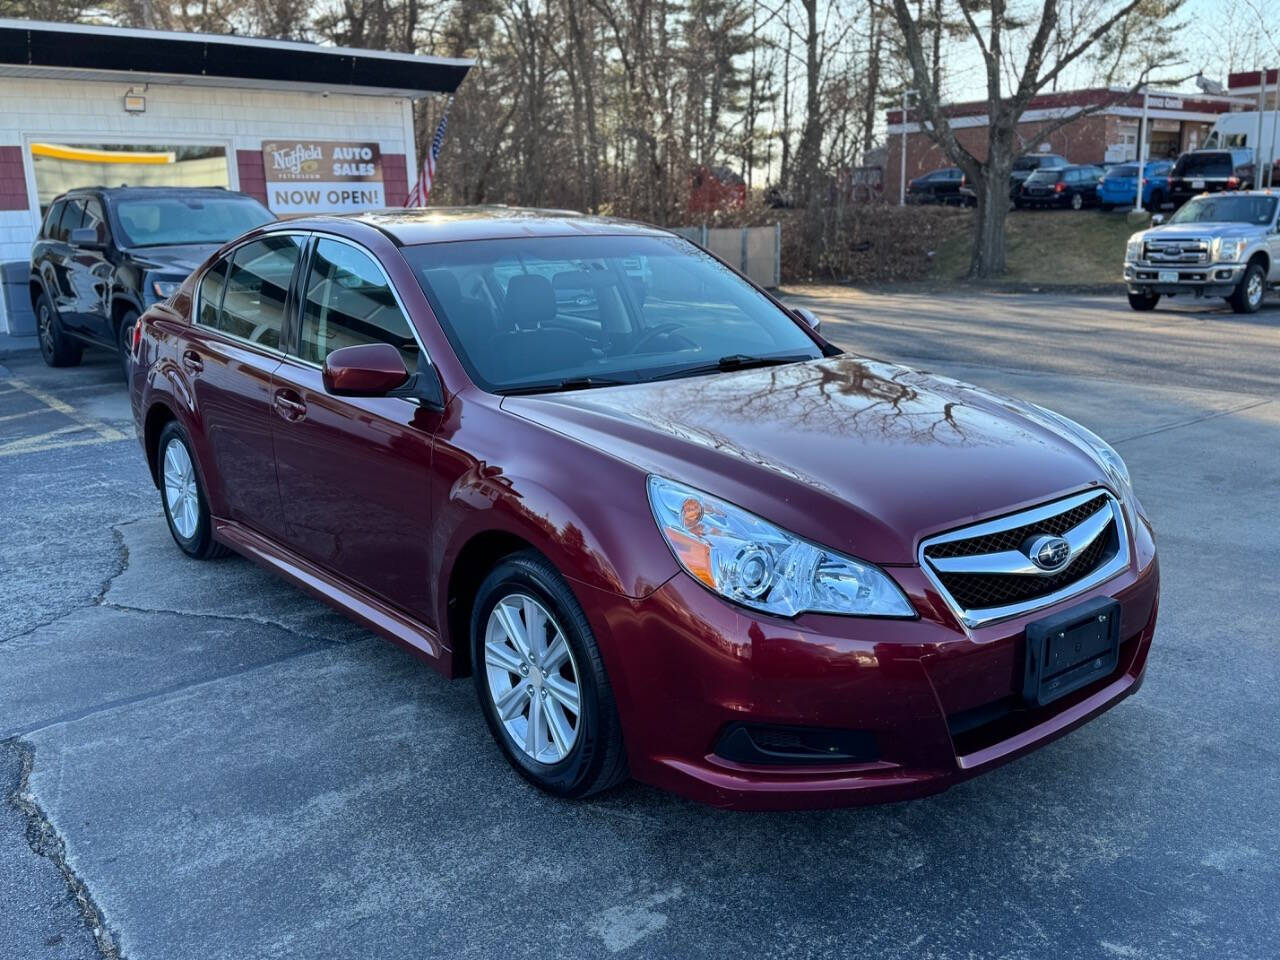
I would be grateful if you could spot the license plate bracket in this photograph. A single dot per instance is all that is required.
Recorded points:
(1071, 649)
(1167, 276)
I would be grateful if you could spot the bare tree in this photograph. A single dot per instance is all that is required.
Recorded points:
(1104, 37)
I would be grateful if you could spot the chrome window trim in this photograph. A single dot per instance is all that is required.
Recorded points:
(987, 615)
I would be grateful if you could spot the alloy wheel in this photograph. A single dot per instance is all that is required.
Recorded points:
(1253, 289)
(180, 491)
(532, 678)
(44, 326)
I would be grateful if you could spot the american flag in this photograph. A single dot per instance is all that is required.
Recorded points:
(422, 189)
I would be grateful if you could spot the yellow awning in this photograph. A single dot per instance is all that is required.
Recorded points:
(85, 155)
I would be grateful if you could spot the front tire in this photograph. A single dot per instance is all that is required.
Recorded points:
(541, 682)
(56, 348)
(124, 336)
(186, 508)
(1250, 291)
(1144, 301)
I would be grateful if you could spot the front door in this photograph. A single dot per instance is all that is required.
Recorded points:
(231, 352)
(354, 472)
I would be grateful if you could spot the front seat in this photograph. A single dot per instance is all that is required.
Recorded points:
(530, 348)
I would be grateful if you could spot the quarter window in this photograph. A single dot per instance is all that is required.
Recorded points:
(347, 301)
(257, 286)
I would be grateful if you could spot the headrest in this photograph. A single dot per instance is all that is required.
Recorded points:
(530, 301)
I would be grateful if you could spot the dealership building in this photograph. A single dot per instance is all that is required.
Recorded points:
(304, 128)
(1106, 131)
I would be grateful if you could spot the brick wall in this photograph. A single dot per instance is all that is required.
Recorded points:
(395, 178)
(13, 183)
(1083, 141)
(253, 176)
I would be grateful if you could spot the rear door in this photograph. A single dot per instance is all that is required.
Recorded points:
(354, 472)
(232, 350)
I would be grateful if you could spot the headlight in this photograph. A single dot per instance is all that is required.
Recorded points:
(1110, 461)
(1227, 250)
(750, 561)
(164, 289)
(1133, 250)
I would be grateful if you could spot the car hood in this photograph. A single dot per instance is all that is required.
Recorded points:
(178, 258)
(862, 456)
(1191, 231)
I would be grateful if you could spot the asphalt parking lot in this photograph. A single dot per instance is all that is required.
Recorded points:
(197, 760)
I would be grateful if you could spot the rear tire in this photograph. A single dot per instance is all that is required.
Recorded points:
(56, 348)
(1251, 290)
(517, 679)
(1144, 301)
(1077, 201)
(186, 508)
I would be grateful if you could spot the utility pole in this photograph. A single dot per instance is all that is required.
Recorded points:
(1142, 148)
(902, 174)
(1262, 109)
(1275, 123)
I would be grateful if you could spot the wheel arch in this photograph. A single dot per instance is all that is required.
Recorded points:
(159, 414)
(477, 556)
(1262, 258)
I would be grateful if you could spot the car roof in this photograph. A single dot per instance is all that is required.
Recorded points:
(123, 192)
(412, 226)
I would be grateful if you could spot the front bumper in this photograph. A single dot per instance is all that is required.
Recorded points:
(938, 701)
(1200, 280)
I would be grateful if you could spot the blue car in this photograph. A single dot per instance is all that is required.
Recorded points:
(1119, 187)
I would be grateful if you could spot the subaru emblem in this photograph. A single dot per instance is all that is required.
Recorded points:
(1049, 553)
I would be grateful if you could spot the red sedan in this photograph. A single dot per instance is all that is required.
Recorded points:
(670, 531)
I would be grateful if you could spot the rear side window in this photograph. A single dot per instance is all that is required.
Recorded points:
(256, 289)
(346, 302)
(1204, 164)
(211, 286)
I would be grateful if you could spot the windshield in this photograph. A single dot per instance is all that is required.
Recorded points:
(531, 313)
(1227, 208)
(172, 220)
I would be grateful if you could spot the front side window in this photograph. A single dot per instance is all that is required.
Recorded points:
(257, 287)
(95, 219)
(347, 301)
(598, 309)
(49, 230)
(211, 286)
(72, 218)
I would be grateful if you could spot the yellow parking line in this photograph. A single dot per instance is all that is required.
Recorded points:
(24, 413)
(28, 445)
(60, 406)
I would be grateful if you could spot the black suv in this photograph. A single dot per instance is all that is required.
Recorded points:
(1210, 171)
(105, 254)
(1023, 167)
(1075, 187)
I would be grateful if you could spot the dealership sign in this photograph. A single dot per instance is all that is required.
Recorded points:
(322, 176)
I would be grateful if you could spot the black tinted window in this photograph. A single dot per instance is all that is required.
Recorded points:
(1204, 164)
(211, 286)
(348, 302)
(50, 228)
(256, 288)
(72, 218)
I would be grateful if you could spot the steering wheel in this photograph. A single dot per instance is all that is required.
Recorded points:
(661, 330)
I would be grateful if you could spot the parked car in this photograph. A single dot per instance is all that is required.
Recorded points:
(1075, 187)
(1215, 245)
(1210, 171)
(1119, 185)
(938, 186)
(644, 540)
(1023, 167)
(105, 254)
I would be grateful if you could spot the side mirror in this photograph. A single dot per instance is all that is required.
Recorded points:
(1157, 219)
(86, 237)
(377, 370)
(809, 317)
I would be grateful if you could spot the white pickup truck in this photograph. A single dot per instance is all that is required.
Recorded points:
(1216, 245)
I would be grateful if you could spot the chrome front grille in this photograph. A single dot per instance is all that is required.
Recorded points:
(1175, 251)
(985, 572)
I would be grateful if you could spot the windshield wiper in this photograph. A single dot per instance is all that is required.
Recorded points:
(570, 383)
(733, 361)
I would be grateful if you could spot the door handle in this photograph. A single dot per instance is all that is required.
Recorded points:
(289, 405)
(191, 360)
